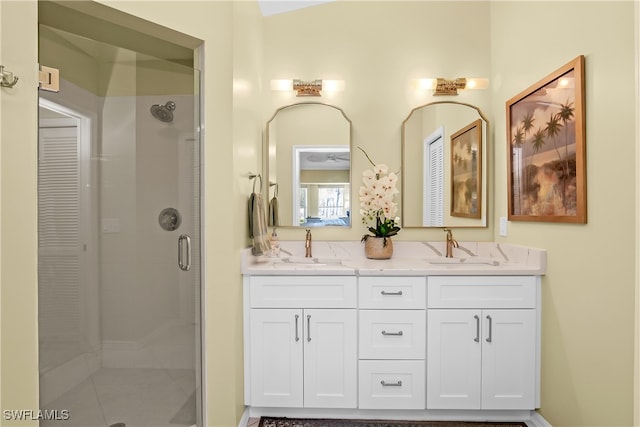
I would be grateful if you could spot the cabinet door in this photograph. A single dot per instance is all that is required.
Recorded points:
(276, 357)
(330, 358)
(508, 359)
(453, 359)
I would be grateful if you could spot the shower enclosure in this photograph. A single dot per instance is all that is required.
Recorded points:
(119, 237)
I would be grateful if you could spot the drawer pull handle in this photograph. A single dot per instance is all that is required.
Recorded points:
(490, 337)
(308, 327)
(399, 333)
(297, 335)
(386, 384)
(477, 338)
(399, 293)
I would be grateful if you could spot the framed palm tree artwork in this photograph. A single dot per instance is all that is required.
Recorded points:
(546, 149)
(466, 171)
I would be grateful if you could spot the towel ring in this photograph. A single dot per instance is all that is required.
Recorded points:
(256, 177)
(275, 190)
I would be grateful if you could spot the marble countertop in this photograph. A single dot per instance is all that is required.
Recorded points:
(409, 259)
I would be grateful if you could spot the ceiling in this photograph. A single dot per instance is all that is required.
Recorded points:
(317, 160)
(274, 7)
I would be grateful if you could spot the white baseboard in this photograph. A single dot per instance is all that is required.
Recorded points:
(245, 417)
(538, 420)
(160, 349)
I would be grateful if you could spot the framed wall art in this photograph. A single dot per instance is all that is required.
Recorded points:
(546, 148)
(466, 171)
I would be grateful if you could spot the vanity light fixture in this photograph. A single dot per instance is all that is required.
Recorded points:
(449, 87)
(441, 86)
(312, 88)
(307, 88)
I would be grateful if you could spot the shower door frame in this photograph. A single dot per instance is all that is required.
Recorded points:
(87, 137)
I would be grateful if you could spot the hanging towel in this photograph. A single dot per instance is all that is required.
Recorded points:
(274, 221)
(258, 225)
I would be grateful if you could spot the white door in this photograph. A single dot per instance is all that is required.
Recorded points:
(276, 357)
(67, 275)
(453, 359)
(508, 359)
(330, 359)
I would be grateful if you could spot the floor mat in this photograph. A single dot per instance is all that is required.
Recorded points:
(325, 422)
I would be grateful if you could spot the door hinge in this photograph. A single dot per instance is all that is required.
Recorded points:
(49, 79)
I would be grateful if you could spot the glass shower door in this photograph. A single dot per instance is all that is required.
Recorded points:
(119, 267)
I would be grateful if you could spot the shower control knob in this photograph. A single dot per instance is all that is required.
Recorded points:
(169, 219)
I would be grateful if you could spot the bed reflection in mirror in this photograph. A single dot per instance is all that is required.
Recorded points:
(323, 185)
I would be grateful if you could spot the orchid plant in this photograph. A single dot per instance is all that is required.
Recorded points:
(376, 201)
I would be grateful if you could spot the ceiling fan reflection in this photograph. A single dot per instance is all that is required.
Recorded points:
(328, 157)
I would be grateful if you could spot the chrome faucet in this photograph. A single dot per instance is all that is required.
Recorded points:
(307, 244)
(451, 243)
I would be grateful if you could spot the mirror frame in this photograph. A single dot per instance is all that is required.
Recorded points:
(485, 155)
(266, 157)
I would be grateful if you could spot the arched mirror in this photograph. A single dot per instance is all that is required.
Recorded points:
(444, 166)
(309, 165)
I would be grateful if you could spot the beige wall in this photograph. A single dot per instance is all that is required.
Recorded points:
(18, 256)
(587, 375)
(378, 48)
(588, 292)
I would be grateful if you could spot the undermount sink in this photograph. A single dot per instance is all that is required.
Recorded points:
(306, 262)
(473, 260)
(299, 260)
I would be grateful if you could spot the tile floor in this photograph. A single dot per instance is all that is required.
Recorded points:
(137, 397)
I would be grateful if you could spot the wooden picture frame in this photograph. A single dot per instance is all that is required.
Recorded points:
(466, 171)
(546, 149)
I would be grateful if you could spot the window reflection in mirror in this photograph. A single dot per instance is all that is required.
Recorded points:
(427, 189)
(309, 158)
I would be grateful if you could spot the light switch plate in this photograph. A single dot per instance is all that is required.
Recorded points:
(503, 226)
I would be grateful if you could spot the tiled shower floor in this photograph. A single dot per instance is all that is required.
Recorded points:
(136, 397)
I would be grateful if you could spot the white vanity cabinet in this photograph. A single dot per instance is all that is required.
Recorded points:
(482, 345)
(400, 339)
(303, 341)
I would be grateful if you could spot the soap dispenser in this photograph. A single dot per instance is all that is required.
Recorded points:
(275, 243)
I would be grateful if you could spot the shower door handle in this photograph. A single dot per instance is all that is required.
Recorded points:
(184, 252)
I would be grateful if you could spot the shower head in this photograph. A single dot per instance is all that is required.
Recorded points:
(164, 113)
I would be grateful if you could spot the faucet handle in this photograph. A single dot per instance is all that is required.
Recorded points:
(307, 244)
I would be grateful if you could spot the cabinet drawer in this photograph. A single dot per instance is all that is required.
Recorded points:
(392, 384)
(303, 292)
(392, 292)
(481, 292)
(392, 334)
